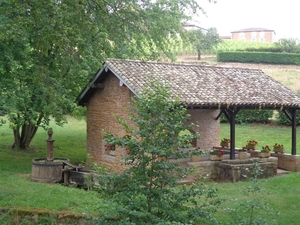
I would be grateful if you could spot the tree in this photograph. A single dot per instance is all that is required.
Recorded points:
(290, 45)
(203, 39)
(50, 49)
(147, 192)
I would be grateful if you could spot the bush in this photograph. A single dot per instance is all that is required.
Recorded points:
(259, 57)
(148, 192)
(283, 119)
(250, 116)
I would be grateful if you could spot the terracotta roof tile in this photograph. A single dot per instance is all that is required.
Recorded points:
(253, 29)
(208, 86)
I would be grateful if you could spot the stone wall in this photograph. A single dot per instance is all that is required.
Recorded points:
(285, 161)
(288, 162)
(228, 170)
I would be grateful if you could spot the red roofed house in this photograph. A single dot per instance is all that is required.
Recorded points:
(254, 34)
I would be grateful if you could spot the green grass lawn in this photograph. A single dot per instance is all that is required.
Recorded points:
(70, 142)
(264, 134)
(16, 189)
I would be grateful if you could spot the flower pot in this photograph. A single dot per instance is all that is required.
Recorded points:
(195, 158)
(252, 147)
(242, 155)
(278, 150)
(225, 144)
(161, 158)
(264, 154)
(113, 153)
(215, 157)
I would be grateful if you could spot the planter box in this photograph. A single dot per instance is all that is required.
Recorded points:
(242, 155)
(225, 144)
(216, 157)
(264, 154)
(195, 158)
(253, 147)
(278, 150)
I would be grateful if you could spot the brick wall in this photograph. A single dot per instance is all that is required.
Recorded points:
(113, 100)
(102, 108)
(248, 36)
(207, 126)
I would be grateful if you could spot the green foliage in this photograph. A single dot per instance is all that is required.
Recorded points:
(147, 192)
(238, 45)
(259, 57)
(283, 119)
(254, 208)
(49, 51)
(283, 45)
(267, 134)
(203, 40)
(250, 116)
(67, 144)
(289, 45)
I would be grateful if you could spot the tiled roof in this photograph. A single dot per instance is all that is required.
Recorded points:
(253, 29)
(206, 86)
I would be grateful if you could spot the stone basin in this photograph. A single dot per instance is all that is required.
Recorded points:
(238, 170)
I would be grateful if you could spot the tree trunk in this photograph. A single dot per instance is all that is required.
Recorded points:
(199, 54)
(23, 135)
(23, 139)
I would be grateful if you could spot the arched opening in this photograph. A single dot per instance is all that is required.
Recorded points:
(187, 141)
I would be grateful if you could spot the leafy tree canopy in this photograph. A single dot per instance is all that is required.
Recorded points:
(49, 50)
(203, 39)
(147, 192)
(290, 45)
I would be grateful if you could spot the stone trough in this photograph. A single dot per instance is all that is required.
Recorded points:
(238, 170)
(228, 170)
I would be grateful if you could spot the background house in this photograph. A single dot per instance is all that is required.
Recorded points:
(207, 91)
(254, 34)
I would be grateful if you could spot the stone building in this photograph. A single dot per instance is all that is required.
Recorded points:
(207, 91)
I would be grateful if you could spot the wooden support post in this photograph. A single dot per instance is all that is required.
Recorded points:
(294, 131)
(230, 115)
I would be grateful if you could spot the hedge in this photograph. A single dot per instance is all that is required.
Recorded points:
(250, 116)
(259, 57)
(283, 119)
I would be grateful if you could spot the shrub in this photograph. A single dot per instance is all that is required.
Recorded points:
(250, 116)
(147, 192)
(283, 119)
(259, 57)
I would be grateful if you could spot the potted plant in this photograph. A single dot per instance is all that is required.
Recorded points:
(110, 149)
(242, 153)
(216, 154)
(265, 152)
(195, 155)
(278, 148)
(185, 141)
(251, 144)
(225, 142)
(110, 146)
